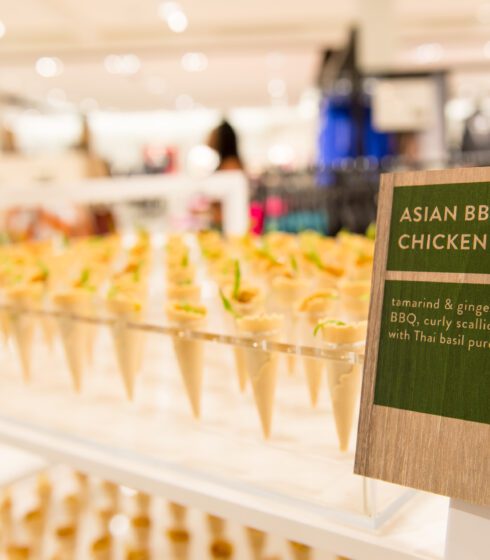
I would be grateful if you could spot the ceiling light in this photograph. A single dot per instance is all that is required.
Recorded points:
(276, 88)
(184, 102)
(130, 64)
(194, 62)
(177, 22)
(483, 13)
(111, 63)
(174, 15)
(49, 67)
(3, 29)
(168, 8)
(430, 52)
(486, 50)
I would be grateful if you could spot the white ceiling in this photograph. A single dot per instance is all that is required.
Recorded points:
(231, 79)
(236, 35)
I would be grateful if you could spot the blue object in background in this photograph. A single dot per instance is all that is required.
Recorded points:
(338, 133)
(336, 138)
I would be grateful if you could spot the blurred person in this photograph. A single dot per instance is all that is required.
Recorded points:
(224, 141)
(220, 153)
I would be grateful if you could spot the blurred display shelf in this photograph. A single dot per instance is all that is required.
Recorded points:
(296, 484)
(416, 533)
(16, 464)
(230, 187)
(89, 527)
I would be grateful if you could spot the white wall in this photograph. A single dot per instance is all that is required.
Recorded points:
(120, 137)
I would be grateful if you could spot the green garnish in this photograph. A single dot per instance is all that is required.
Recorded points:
(315, 258)
(137, 273)
(237, 280)
(44, 271)
(321, 324)
(95, 239)
(83, 281)
(190, 308)
(227, 305)
(185, 260)
(143, 233)
(112, 293)
(227, 267)
(266, 252)
(84, 278)
(212, 253)
(65, 240)
(371, 231)
(294, 264)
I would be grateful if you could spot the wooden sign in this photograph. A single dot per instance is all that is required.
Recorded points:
(425, 406)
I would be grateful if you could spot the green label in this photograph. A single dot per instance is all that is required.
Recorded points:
(434, 350)
(441, 228)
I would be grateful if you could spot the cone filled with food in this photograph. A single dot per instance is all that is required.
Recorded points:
(344, 377)
(189, 352)
(261, 364)
(22, 325)
(77, 300)
(127, 306)
(311, 309)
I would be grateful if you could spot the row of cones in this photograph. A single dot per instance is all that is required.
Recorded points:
(254, 365)
(260, 368)
(77, 335)
(244, 304)
(280, 276)
(64, 516)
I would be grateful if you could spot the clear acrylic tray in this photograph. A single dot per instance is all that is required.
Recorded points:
(300, 466)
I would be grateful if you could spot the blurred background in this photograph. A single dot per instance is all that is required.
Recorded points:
(231, 114)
